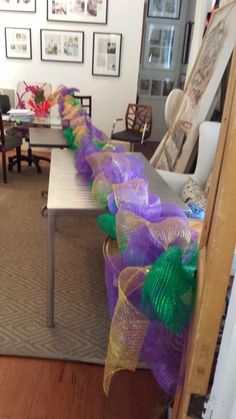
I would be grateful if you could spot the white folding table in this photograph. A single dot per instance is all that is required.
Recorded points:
(69, 192)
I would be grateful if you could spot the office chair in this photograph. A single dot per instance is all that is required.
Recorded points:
(5, 103)
(138, 125)
(86, 103)
(23, 97)
(9, 142)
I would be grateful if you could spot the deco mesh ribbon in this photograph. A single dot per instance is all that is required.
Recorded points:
(169, 290)
(150, 279)
(128, 328)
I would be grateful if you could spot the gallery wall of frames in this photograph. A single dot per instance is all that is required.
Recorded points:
(83, 43)
(66, 45)
(165, 49)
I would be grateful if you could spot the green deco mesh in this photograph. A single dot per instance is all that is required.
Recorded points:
(169, 290)
(107, 223)
(68, 134)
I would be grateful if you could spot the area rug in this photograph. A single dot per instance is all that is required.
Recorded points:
(81, 310)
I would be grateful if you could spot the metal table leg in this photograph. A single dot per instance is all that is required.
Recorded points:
(51, 266)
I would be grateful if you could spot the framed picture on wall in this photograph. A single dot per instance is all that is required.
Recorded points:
(160, 50)
(144, 86)
(18, 43)
(58, 45)
(84, 11)
(187, 42)
(156, 88)
(181, 82)
(169, 9)
(106, 54)
(18, 5)
(168, 85)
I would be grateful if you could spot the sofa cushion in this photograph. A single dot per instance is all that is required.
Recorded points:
(193, 194)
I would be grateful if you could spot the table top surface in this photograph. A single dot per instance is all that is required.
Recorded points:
(68, 190)
(48, 120)
(47, 137)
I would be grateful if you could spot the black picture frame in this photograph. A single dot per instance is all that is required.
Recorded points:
(187, 42)
(18, 43)
(106, 58)
(164, 9)
(62, 45)
(87, 11)
(25, 7)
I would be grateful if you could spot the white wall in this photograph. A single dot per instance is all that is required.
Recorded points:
(110, 94)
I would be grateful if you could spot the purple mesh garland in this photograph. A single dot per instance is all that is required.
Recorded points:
(64, 91)
(113, 266)
(116, 166)
(133, 194)
(138, 254)
(86, 147)
(161, 350)
(121, 168)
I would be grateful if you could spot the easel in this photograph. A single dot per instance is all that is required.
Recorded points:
(215, 260)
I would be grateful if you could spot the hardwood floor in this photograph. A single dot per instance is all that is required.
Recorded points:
(44, 389)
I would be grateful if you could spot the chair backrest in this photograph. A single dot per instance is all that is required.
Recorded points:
(2, 135)
(5, 105)
(86, 103)
(207, 145)
(137, 116)
(172, 104)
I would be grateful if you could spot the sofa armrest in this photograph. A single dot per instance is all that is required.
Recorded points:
(175, 180)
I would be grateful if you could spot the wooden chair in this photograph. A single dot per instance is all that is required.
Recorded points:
(138, 125)
(9, 142)
(86, 103)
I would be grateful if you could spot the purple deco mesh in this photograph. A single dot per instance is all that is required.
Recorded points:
(115, 165)
(161, 350)
(113, 266)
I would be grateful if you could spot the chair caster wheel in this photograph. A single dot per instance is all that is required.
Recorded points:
(44, 210)
(44, 194)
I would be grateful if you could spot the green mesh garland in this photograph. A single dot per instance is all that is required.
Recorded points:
(98, 144)
(169, 290)
(68, 134)
(107, 223)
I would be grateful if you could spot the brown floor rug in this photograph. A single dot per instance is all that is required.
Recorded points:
(81, 312)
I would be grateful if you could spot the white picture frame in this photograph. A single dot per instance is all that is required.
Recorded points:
(18, 43)
(18, 6)
(106, 54)
(62, 45)
(160, 50)
(83, 11)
